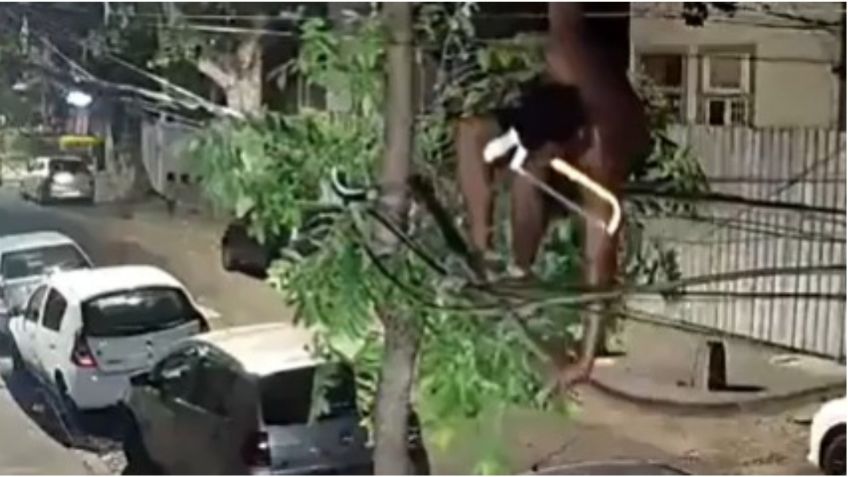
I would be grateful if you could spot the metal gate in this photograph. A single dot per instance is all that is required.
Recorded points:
(801, 165)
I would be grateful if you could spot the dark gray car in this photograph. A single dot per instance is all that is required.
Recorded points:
(245, 401)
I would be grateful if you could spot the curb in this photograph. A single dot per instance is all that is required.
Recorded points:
(754, 403)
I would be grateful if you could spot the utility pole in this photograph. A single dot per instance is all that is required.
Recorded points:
(400, 333)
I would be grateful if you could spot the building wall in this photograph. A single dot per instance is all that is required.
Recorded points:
(793, 81)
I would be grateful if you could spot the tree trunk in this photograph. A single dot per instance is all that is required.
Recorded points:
(391, 456)
(401, 335)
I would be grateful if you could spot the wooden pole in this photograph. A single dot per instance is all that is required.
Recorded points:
(401, 336)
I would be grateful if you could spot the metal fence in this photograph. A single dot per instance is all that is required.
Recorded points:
(804, 312)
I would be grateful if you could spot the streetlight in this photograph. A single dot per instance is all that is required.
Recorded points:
(78, 99)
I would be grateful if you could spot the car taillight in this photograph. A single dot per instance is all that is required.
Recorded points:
(256, 452)
(81, 355)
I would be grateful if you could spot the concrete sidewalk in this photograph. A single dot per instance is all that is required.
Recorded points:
(661, 367)
(26, 450)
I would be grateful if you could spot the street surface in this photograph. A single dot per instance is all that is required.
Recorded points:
(603, 428)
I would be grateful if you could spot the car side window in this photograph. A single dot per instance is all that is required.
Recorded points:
(213, 385)
(54, 310)
(34, 304)
(174, 376)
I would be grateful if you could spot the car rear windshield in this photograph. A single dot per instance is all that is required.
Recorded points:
(293, 396)
(137, 311)
(37, 261)
(68, 165)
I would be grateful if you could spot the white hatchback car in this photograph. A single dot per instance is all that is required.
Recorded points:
(25, 259)
(63, 177)
(827, 437)
(85, 332)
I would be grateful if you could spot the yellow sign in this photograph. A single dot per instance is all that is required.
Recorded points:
(79, 141)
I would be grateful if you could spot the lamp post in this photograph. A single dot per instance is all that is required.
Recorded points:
(78, 99)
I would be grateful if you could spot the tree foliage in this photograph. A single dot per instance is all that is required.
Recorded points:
(275, 167)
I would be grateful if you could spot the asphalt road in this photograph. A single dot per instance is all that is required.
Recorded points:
(186, 248)
(18, 216)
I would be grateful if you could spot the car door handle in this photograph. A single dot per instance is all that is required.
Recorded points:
(51, 346)
(346, 438)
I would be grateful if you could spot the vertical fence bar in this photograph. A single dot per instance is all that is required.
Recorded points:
(840, 188)
(821, 321)
(758, 150)
(725, 235)
(807, 322)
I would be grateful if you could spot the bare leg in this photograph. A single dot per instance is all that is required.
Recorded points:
(600, 262)
(529, 216)
(476, 177)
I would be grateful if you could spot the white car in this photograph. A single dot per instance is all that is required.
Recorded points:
(85, 332)
(827, 437)
(25, 259)
(62, 177)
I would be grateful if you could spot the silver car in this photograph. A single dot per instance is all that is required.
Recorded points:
(58, 178)
(25, 259)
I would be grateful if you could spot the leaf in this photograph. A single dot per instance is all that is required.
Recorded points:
(443, 437)
(243, 205)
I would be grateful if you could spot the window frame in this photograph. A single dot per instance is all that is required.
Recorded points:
(159, 381)
(51, 294)
(682, 91)
(195, 354)
(707, 89)
(221, 362)
(42, 289)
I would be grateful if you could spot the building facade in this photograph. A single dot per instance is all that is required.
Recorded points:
(764, 65)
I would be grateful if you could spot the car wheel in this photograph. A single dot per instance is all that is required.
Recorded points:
(139, 461)
(833, 457)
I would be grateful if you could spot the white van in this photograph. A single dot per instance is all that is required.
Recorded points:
(85, 332)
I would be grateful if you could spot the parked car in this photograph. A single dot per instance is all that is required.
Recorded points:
(242, 401)
(24, 261)
(84, 333)
(58, 178)
(827, 437)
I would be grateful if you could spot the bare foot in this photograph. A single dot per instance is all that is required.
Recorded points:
(572, 375)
